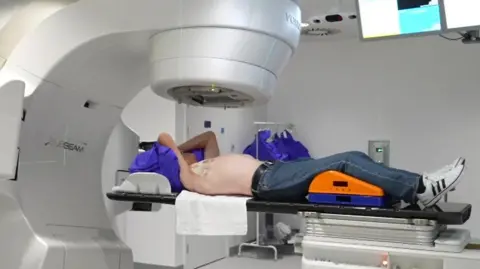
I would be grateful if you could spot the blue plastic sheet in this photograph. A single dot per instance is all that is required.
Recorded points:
(276, 147)
(162, 160)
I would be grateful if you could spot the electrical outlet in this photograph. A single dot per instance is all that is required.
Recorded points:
(379, 151)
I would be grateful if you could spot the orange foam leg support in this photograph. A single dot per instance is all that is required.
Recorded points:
(333, 182)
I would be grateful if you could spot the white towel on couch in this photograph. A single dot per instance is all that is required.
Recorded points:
(199, 214)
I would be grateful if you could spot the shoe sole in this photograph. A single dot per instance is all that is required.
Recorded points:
(461, 161)
(437, 198)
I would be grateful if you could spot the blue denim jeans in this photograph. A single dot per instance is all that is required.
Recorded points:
(289, 181)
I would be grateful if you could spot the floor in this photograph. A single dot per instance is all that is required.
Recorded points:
(287, 262)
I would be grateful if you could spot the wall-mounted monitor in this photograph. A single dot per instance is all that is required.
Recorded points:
(392, 18)
(461, 14)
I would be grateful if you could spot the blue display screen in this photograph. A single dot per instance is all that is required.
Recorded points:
(383, 18)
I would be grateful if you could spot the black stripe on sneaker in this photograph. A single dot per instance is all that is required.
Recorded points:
(444, 185)
(434, 191)
(450, 187)
(439, 189)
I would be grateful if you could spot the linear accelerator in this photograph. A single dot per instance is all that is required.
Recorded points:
(80, 68)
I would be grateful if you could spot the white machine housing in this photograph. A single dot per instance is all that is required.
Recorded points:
(195, 63)
(79, 69)
(197, 66)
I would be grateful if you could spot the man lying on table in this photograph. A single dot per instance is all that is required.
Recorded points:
(162, 160)
(239, 174)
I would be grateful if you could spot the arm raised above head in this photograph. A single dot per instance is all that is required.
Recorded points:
(206, 141)
(198, 142)
(190, 180)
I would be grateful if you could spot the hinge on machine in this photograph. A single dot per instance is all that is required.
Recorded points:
(187, 249)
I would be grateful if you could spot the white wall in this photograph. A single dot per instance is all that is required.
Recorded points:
(239, 129)
(148, 115)
(420, 93)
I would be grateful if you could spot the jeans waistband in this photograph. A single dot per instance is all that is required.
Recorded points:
(258, 175)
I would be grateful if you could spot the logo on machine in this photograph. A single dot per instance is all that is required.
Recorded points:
(70, 146)
(293, 21)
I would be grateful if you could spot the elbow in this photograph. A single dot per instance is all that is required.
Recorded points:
(210, 134)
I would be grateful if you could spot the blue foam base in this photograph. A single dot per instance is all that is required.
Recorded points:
(350, 200)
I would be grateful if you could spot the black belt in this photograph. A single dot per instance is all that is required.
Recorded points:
(259, 174)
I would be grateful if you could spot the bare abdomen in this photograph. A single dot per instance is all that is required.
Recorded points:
(232, 174)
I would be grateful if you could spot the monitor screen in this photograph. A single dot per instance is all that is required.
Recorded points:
(389, 18)
(461, 13)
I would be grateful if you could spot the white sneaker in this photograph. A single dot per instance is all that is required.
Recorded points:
(437, 185)
(446, 168)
